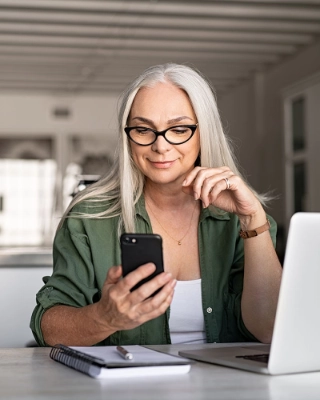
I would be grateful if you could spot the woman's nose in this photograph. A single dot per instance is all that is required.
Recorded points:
(161, 145)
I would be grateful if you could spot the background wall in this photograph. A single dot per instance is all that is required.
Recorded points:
(253, 116)
(34, 114)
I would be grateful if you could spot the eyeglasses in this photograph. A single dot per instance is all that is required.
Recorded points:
(174, 135)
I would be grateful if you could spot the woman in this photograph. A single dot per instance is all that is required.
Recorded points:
(175, 175)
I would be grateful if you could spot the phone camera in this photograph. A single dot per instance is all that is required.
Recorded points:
(130, 240)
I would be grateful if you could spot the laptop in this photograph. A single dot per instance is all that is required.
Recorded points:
(295, 343)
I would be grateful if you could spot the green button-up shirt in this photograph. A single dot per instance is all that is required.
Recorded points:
(84, 250)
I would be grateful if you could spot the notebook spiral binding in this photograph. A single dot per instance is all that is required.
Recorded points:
(76, 360)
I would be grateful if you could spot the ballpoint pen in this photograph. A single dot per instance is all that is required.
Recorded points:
(124, 353)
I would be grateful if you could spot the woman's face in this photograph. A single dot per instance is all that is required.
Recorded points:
(160, 107)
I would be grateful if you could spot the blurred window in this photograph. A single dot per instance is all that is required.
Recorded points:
(27, 192)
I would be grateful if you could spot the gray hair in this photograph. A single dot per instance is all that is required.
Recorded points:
(123, 186)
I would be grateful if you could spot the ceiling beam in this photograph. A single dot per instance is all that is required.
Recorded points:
(166, 55)
(176, 21)
(7, 28)
(133, 43)
(216, 9)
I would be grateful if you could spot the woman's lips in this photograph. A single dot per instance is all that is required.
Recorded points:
(162, 164)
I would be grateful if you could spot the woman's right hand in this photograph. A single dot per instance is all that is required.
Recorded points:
(121, 309)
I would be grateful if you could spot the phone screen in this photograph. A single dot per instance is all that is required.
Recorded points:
(138, 249)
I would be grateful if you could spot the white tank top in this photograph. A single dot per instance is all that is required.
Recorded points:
(186, 321)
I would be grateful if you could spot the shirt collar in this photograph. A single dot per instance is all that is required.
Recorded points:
(141, 209)
(212, 212)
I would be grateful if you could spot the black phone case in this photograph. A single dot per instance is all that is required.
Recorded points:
(138, 249)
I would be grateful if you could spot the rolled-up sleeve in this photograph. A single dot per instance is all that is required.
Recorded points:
(73, 280)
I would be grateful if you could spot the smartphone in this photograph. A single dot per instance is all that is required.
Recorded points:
(138, 249)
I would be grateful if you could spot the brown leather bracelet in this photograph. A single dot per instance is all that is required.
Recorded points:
(255, 232)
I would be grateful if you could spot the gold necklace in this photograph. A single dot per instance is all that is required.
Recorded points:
(178, 241)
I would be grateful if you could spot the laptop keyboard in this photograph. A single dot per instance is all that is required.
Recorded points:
(256, 357)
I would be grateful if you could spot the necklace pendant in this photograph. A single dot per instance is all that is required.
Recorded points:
(179, 243)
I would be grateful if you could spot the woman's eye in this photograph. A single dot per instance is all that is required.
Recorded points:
(179, 131)
(143, 130)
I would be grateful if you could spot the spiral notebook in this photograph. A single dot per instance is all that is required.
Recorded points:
(106, 362)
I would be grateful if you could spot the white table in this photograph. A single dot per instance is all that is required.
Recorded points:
(29, 373)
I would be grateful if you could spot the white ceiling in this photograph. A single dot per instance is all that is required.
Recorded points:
(98, 46)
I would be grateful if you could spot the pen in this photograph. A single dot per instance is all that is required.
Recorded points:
(125, 353)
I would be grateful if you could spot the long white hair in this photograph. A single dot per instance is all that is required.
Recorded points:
(123, 186)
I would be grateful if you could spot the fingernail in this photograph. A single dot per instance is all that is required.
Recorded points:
(203, 205)
(184, 182)
(168, 275)
(195, 195)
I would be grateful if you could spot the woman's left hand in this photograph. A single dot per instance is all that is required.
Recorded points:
(262, 270)
(223, 189)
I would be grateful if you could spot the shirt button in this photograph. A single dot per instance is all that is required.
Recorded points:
(209, 310)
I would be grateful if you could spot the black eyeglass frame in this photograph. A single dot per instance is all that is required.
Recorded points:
(193, 128)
